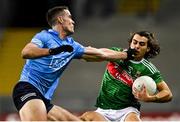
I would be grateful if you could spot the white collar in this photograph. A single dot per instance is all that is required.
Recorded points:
(137, 62)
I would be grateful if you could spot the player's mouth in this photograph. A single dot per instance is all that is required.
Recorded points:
(136, 52)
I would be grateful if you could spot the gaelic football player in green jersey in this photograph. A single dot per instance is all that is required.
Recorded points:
(115, 101)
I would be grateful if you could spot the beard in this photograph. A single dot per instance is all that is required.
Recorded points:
(68, 31)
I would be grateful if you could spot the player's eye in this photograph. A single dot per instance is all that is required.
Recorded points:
(134, 42)
(142, 43)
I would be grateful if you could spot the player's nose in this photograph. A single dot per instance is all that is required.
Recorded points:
(73, 22)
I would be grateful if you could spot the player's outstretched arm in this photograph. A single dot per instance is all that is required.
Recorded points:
(32, 51)
(105, 54)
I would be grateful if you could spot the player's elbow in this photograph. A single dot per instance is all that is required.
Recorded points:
(26, 54)
(170, 97)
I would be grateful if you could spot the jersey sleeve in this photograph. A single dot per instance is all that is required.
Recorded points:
(157, 77)
(154, 73)
(39, 39)
(79, 50)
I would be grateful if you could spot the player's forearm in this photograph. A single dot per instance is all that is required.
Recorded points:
(114, 55)
(162, 96)
(105, 54)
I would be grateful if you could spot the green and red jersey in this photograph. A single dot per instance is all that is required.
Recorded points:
(116, 88)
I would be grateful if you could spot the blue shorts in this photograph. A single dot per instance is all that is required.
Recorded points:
(24, 91)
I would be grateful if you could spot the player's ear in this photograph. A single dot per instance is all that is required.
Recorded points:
(60, 19)
(148, 49)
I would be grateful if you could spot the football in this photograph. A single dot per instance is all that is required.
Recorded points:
(147, 81)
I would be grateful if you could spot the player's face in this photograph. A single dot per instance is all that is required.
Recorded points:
(140, 44)
(67, 23)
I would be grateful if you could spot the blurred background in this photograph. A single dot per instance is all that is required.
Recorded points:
(99, 23)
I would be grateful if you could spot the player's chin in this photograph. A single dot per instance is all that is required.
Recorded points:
(138, 55)
(137, 58)
(70, 32)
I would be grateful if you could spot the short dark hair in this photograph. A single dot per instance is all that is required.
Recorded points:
(52, 14)
(152, 43)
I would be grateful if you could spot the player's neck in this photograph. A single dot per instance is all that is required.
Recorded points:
(138, 59)
(62, 34)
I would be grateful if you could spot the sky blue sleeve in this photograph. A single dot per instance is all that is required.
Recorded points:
(39, 39)
(79, 50)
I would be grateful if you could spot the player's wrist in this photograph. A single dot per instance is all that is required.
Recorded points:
(53, 51)
(155, 98)
(130, 53)
(124, 55)
(50, 52)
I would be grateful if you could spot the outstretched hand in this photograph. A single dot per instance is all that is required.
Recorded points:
(63, 48)
(130, 53)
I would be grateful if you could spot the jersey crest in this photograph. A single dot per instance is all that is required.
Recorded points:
(138, 74)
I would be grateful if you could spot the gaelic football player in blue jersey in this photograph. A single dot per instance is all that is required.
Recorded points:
(48, 54)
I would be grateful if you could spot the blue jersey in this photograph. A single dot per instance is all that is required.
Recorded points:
(44, 72)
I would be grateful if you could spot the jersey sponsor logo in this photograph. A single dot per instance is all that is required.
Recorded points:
(27, 96)
(119, 74)
(58, 63)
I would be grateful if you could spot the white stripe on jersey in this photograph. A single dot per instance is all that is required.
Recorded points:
(37, 42)
(151, 67)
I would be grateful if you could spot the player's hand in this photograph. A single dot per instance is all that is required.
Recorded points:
(130, 53)
(141, 95)
(63, 48)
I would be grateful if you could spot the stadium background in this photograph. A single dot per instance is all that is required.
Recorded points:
(99, 23)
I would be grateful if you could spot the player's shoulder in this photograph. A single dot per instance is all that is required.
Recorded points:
(149, 66)
(146, 61)
(43, 35)
(73, 42)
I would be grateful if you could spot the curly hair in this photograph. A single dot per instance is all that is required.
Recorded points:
(152, 43)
